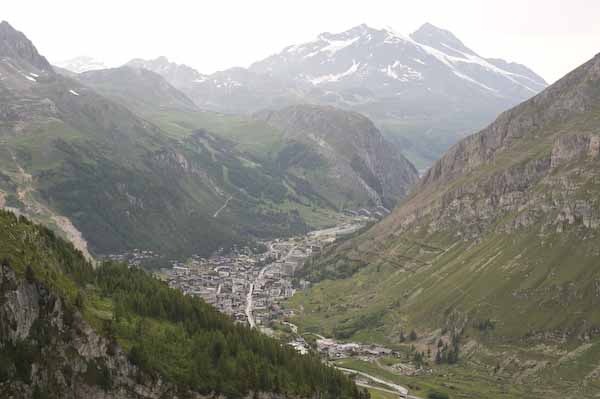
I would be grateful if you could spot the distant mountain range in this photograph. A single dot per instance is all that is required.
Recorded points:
(117, 159)
(425, 90)
(81, 64)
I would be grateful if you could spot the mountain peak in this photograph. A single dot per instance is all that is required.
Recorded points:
(179, 75)
(441, 39)
(362, 28)
(428, 26)
(162, 59)
(356, 31)
(81, 64)
(15, 45)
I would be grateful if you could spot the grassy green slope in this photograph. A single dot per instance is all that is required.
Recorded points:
(126, 183)
(264, 185)
(100, 165)
(462, 253)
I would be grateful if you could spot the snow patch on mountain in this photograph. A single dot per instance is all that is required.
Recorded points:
(336, 77)
(401, 72)
(333, 46)
(469, 79)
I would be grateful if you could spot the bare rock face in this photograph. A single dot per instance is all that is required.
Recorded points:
(71, 360)
(569, 148)
(575, 94)
(16, 45)
(534, 160)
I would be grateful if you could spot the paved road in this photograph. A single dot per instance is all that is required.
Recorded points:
(399, 389)
(249, 304)
(343, 229)
(249, 300)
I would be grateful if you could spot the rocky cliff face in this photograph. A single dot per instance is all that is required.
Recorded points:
(16, 45)
(68, 358)
(341, 150)
(48, 350)
(493, 172)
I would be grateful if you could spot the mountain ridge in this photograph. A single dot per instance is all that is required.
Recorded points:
(349, 146)
(424, 97)
(120, 159)
(15, 43)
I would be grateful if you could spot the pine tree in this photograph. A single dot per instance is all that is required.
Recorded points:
(413, 335)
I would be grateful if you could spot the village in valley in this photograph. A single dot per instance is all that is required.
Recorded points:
(250, 285)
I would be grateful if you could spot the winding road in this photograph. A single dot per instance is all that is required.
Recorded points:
(249, 300)
(216, 215)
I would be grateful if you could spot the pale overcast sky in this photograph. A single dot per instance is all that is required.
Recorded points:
(550, 36)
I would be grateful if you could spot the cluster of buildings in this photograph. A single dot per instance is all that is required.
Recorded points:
(251, 286)
(336, 350)
(134, 258)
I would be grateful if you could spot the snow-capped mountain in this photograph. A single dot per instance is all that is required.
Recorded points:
(177, 74)
(81, 64)
(390, 64)
(426, 90)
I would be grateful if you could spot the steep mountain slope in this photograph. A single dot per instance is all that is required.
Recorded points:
(502, 232)
(341, 155)
(119, 159)
(325, 155)
(69, 331)
(138, 89)
(71, 155)
(425, 91)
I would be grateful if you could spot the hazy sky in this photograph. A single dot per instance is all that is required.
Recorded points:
(550, 36)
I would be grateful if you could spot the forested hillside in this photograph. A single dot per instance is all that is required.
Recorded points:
(69, 330)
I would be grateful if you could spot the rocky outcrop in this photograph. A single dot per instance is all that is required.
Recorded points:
(347, 154)
(571, 96)
(572, 147)
(533, 162)
(16, 45)
(68, 358)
